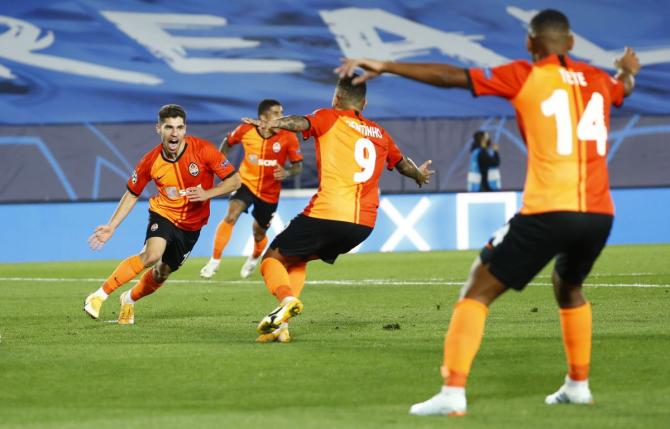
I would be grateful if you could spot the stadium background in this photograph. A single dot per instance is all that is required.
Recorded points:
(82, 81)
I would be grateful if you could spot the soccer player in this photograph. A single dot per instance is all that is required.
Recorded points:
(563, 110)
(183, 169)
(351, 152)
(262, 171)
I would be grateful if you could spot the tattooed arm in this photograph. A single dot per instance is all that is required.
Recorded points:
(293, 123)
(421, 175)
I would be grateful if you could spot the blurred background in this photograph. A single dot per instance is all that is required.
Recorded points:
(81, 83)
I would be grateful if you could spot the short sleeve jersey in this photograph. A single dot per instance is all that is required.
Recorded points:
(563, 111)
(196, 166)
(262, 156)
(351, 153)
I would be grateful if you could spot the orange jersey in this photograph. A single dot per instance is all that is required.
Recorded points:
(563, 111)
(196, 166)
(262, 156)
(351, 152)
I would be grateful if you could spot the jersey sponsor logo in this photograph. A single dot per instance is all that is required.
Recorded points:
(225, 163)
(366, 130)
(154, 227)
(193, 169)
(133, 177)
(276, 147)
(172, 192)
(253, 159)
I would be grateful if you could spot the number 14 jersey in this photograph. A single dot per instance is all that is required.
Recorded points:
(351, 152)
(563, 111)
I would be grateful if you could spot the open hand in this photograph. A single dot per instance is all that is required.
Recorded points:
(371, 69)
(425, 174)
(100, 236)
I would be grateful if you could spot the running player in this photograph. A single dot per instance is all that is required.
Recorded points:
(563, 110)
(262, 171)
(351, 152)
(183, 169)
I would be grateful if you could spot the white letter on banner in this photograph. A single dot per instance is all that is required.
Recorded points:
(405, 225)
(355, 30)
(22, 38)
(463, 202)
(149, 30)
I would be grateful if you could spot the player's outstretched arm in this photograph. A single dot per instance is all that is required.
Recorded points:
(103, 233)
(421, 175)
(293, 123)
(230, 184)
(628, 65)
(442, 75)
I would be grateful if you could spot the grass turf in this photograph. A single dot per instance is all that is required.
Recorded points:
(190, 360)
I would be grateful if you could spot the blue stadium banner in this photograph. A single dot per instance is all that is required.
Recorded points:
(83, 61)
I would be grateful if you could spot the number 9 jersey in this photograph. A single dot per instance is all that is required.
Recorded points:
(351, 152)
(563, 111)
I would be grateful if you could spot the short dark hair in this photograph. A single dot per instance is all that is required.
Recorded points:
(477, 139)
(171, 111)
(266, 104)
(549, 20)
(350, 93)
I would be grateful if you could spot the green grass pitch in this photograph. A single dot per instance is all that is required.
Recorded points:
(190, 361)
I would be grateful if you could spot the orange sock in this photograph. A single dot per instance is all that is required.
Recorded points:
(223, 232)
(124, 272)
(276, 278)
(576, 324)
(296, 276)
(462, 341)
(259, 246)
(146, 286)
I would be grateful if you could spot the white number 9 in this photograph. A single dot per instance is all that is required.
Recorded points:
(366, 157)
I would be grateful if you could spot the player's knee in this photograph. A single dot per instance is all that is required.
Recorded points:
(231, 218)
(150, 258)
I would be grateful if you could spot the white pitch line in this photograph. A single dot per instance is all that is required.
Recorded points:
(365, 282)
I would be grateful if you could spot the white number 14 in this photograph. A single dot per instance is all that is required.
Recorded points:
(591, 125)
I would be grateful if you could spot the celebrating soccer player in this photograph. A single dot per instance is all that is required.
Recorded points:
(563, 111)
(262, 171)
(183, 169)
(351, 154)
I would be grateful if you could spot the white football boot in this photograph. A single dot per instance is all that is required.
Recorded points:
(249, 266)
(208, 271)
(571, 392)
(449, 402)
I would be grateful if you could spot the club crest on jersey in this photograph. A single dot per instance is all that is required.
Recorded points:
(154, 227)
(276, 147)
(193, 169)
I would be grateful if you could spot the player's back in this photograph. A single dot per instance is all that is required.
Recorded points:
(562, 108)
(351, 152)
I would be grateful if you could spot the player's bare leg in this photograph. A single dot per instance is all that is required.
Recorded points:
(462, 342)
(150, 281)
(123, 273)
(576, 323)
(223, 232)
(260, 241)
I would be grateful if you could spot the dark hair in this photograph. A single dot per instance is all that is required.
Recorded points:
(350, 93)
(477, 139)
(265, 105)
(549, 20)
(171, 111)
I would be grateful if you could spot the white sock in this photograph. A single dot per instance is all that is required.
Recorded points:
(101, 293)
(574, 384)
(451, 390)
(214, 261)
(287, 300)
(283, 325)
(127, 299)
